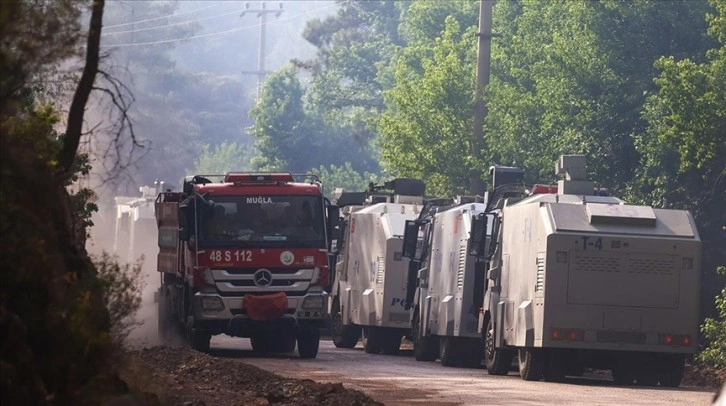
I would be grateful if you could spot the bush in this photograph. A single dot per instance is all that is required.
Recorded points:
(714, 331)
(122, 286)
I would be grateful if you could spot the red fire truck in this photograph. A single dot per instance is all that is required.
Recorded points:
(245, 256)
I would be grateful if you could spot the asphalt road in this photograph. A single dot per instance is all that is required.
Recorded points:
(401, 380)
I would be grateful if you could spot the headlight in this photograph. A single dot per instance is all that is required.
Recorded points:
(313, 303)
(213, 303)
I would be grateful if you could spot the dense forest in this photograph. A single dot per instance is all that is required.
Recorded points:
(638, 86)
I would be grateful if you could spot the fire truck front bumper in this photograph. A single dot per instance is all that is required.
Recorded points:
(211, 307)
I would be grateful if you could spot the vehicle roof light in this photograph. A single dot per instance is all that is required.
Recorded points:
(250, 177)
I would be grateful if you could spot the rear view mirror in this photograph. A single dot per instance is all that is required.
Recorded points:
(410, 239)
(478, 237)
(334, 230)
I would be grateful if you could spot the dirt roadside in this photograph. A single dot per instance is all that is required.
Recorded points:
(171, 376)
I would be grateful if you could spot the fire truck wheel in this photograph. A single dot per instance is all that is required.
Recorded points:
(373, 339)
(497, 361)
(343, 336)
(449, 352)
(165, 323)
(308, 340)
(199, 340)
(424, 348)
(671, 370)
(531, 363)
(260, 343)
(392, 342)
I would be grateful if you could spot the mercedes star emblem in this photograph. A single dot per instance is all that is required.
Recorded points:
(262, 278)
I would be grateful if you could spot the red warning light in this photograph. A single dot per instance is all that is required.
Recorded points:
(555, 334)
(686, 340)
(668, 339)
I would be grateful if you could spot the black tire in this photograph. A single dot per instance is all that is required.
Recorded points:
(449, 352)
(670, 372)
(531, 363)
(260, 343)
(556, 366)
(424, 348)
(647, 371)
(472, 353)
(373, 339)
(165, 325)
(392, 342)
(199, 339)
(624, 371)
(497, 361)
(308, 340)
(343, 336)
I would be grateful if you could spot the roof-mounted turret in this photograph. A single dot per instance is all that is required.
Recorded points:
(572, 167)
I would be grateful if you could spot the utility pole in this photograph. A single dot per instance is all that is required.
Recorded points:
(262, 13)
(483, 63)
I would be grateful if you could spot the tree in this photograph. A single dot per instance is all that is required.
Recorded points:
(570, 77)
(225, 157)
(426, 129)
(683, 149)
(343, 177)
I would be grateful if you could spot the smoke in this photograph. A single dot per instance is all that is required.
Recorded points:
(130, 242)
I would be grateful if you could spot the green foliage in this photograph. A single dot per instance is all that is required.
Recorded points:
(343, 177)
(714, 331)
(122, 286)
(427, 127)
(571, 77)
(225, 157)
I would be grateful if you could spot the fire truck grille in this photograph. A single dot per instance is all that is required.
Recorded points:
(231, 282)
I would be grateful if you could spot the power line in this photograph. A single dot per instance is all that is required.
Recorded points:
(167, 41)
(162, 17)
(171, 25)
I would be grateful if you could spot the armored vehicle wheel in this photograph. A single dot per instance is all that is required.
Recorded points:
(531, 363)
(624, 372)
(424, 348)
(373, 339)
(497, 361)
(472, 352)
(391, 342)
(557, 363)
(343, 336)
(670, 372)
(308, 340)
(449, 352)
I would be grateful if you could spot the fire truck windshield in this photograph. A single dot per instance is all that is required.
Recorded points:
(265, 220)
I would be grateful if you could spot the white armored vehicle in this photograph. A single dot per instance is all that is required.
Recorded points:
(448, 273)
(370, 279)
(580, 280)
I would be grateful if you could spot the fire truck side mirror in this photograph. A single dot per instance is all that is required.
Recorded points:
(183, 223)
(410, 239)
(478, 246)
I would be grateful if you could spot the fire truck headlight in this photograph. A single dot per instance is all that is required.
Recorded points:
(313, 303)
(212, 303)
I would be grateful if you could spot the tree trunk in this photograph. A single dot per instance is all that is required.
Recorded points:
(74, 130)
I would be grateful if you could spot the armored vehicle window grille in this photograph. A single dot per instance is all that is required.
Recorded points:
(597, 263)
(381, 269)
(649, 265)
(462, 267)
(539, 285)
